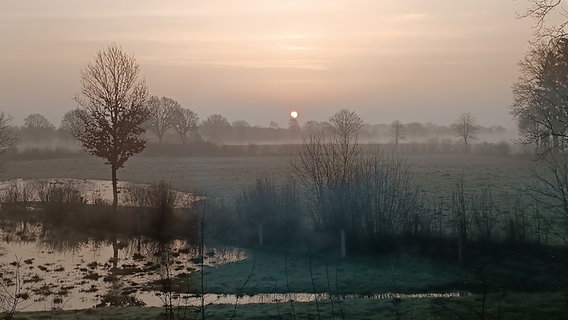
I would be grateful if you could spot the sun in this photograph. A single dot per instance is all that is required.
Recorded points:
(294, 114)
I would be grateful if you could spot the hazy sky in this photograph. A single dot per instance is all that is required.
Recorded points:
(255, 60)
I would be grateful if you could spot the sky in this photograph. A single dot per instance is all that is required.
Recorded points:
(256, 60)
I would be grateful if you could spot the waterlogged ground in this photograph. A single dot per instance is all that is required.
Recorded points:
(69, 274)
(54, 273)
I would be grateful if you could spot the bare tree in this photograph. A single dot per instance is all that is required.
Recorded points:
(37, 127)
(163, 112)
(551, 191)
(328, 167)
(113, 110)
(542, 11)
(215, 126)
(8, 137)
(466, 129)
(353, 193)
(37, 121)
(397, 133)
(541, 95)
(185, 122)
(346, 125)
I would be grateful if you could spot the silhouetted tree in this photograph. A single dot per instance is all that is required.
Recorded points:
(37, 127)
(215, 126)
(163, 112)
(466, 129)
(185, 122)
(37, 121)
(541, 96)
(113, 110)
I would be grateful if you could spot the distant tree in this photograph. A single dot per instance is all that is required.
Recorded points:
(162, 117)
(345, 125)
(293, 124)
(397, 133)
(216, 127)
(466, 129)
(314, 126)
(8, 136)
(37, 127)
(37, 121)
(216, 121)
(240, 124)
(274, 125)
(240, 130)
(185, 121)
(112, 109)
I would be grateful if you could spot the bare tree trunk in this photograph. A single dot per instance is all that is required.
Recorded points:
(114, 188)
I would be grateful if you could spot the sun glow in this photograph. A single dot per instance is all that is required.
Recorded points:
(294, 114)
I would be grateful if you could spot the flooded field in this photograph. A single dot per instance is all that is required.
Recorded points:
(47, 273)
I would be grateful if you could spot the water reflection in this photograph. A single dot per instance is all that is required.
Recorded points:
(49, 269)
(67, 270)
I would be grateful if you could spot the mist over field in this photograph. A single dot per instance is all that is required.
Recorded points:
(283, 160)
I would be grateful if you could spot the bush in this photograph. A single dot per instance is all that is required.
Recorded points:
(17, 197)
(59, 199)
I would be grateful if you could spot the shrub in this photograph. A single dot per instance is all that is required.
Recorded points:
(161, 200)
(16, 197)
(58, 199)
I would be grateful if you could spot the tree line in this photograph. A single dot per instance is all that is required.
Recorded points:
(170, 123)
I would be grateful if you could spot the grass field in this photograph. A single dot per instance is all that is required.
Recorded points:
(435, 174)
